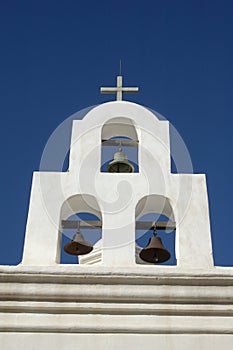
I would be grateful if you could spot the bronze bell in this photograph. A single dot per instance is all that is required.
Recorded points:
(78, 246)
(155, 251)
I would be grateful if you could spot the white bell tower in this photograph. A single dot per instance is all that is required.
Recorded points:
(112, 298)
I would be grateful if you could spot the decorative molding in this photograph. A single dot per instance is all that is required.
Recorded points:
(140, 324)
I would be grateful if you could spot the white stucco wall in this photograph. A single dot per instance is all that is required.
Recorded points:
(114, 197)
(115, 341)
(117, 303)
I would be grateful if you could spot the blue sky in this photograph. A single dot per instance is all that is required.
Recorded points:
(56, 54)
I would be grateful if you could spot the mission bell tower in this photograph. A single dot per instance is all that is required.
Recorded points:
(119, 294)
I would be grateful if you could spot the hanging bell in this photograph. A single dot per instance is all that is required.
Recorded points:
(120, 163)
(155, 251)
(78, 246)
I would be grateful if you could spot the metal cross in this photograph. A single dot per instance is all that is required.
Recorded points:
(119, 89)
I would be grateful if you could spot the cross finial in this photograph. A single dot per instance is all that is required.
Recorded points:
(119, 89)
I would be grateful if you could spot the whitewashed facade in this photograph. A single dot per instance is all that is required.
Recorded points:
(110, 301)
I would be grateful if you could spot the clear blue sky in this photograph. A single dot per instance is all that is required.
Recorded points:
(56, 54)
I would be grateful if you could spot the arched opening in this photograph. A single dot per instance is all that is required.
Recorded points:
(119, 135)
(80, 214)
(155, 218)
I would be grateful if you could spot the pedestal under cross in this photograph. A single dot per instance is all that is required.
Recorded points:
(119, 89)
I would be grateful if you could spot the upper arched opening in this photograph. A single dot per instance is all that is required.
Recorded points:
(154, 203)
(80, 203)
(119, 126)
(119, 151)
